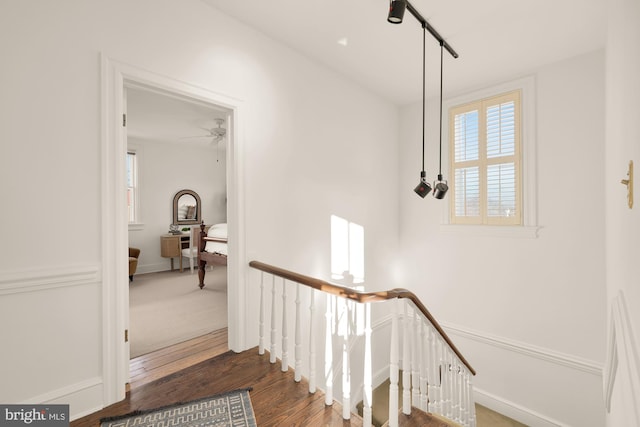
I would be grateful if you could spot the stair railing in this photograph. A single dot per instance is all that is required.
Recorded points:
(436, 376)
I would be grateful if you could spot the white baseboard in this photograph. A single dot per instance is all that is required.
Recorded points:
(513, 410)
(154, 268)
(83, 398)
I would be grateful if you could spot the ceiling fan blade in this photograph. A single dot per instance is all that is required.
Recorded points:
(195, 136)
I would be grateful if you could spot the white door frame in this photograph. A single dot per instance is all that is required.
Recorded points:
(115, 282)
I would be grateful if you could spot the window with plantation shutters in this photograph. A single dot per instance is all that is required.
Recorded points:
(485, 161)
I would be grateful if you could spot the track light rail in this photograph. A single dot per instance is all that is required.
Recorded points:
(431, 30)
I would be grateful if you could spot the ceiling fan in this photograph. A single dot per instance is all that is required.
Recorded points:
(216, 133)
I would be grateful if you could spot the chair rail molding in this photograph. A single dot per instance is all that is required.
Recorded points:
(36, 280)
(574, 362)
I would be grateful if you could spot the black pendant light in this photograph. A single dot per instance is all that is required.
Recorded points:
(423, 187)
(441, 187)
(396, 11)
(396, 14)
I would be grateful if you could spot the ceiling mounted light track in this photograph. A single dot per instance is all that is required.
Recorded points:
(396, 15)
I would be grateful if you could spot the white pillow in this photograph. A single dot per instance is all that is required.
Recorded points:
(216, 247)
(182, 211)
(218, 231)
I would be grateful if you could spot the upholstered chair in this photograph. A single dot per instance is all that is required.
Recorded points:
(134, 253)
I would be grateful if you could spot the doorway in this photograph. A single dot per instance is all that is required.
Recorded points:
(174, 143)
(115, 282)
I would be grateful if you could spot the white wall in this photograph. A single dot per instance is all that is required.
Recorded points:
(528, 313)
(623, 233)
(163, 170)
(315, 145)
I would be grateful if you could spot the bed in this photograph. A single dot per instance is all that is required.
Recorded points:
(212, 248)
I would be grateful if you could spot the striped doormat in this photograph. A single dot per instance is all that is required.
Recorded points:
(231, 409)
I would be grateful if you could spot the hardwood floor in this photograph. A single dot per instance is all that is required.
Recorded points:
(204, 366)
(153, 366)
(161, 379)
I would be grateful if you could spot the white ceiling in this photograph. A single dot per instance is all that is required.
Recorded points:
(160, 117)
(496, 39)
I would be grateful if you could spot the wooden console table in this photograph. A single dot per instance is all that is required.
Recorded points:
(171, 246)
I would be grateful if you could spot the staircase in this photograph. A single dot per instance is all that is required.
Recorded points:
(334, 341)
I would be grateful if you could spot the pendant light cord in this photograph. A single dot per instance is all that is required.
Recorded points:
(424, 35)
(441, 68)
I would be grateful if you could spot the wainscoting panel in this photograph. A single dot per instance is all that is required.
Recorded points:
(536, 386)
(51, 351)
(622, 351)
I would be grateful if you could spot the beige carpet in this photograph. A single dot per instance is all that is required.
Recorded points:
(485, 417)
(168, 307)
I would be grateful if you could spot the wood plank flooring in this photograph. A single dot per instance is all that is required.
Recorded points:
(153, 366)
(204, 366)
(160, 379)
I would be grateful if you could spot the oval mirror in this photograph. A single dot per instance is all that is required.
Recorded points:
(186, 207)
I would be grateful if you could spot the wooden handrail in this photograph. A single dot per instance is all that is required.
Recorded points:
(361, 297)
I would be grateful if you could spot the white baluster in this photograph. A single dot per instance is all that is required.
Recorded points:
(346, 361)
(422, 357)
(432, 370)
(328, 354)
(456, 395)
(415, 374)
(438, 373)
(406, 363)
(465, 398)
(444, 387)
(272, 357)
(471, 400)
(285, 330)
(368, 369)
(312, 344)
(448, 384)
(453, 389)
(261, 324)
(393, 370)
(298, 339)
(464, 408)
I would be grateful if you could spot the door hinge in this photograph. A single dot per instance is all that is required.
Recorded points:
(124, 120)
(126, 335)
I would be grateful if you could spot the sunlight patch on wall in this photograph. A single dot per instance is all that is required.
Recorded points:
(347, 251)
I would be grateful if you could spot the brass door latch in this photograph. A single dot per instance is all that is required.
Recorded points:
(629, 183)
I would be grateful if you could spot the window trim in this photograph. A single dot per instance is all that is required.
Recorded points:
(137, 224)
(528, 160)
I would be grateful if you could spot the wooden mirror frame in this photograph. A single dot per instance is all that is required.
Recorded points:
(176, 198)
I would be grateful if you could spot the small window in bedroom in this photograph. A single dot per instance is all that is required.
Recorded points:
(132, 187)
(485, 153)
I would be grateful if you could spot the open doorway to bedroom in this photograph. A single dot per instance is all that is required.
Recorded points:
(174, 143)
